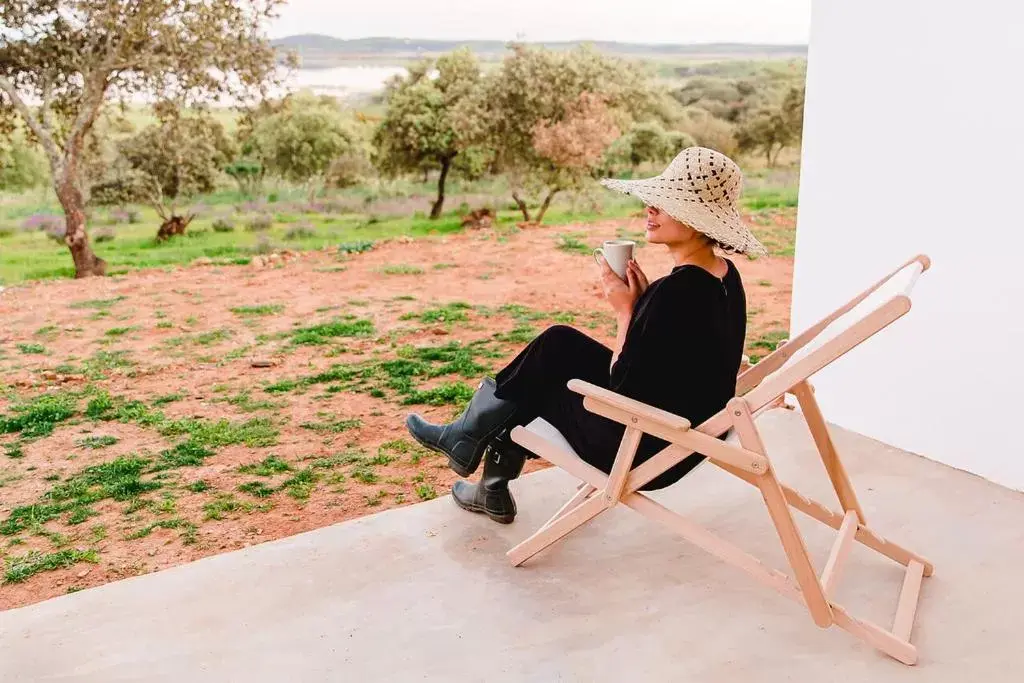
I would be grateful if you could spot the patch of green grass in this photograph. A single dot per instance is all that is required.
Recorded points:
(336, 427)
(254, 433)
(105, 361)
(357, 247)
(268, 467)
(25, 566)
(573, 245)
(31, 348)
(119, 479)
(245, 402)
(426, 492)
(168, 398)
(364, 473)
(324, 332)
(378, 377)
(13, 450)
(80, 514)
(346, 458)
(96, 442)
(564, 318)
(302, 484)
(103, 406)
(376, 499)
(257, 488)
(448, 313)
(257, 310)
(27, 516)
(97, 304)
(764, 198)
(188, 533)
(186, 454)
(39, 416)
(222, 505)
(167, 505)
(48, 332)
(119, 331)
(522, 314)
(766, 344)
(445, 266)
(520, 334)
(400, 269)
(212, 337)
(198, 486)
(448, 394)
(383, 457)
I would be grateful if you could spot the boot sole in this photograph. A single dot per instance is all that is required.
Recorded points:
(500, 519)
(478, 454)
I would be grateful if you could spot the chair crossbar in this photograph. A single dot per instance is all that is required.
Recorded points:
(839, 553)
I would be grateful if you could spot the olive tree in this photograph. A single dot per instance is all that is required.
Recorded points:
(539, 104)
(299, 139)
(771, 130)
(418, 132)
(61, 61)
(172, 161)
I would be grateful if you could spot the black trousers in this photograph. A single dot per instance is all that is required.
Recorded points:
(536, 381)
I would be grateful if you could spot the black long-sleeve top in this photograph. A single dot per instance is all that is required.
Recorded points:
(684, 344)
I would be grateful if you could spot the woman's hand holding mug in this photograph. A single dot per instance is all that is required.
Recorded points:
(623, 294)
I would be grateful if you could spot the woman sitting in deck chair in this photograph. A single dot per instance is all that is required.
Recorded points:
(679, 345)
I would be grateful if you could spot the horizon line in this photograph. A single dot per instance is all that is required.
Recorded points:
(561, 40)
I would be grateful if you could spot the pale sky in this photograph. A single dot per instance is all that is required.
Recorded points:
(638, 21)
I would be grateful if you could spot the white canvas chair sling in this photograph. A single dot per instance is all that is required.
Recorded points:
(786, 370)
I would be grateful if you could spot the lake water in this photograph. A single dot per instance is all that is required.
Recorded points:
(341, 81)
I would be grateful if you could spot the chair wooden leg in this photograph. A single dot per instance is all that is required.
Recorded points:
(833, 465)
(875, 636)
(792, 541)
(584, 492)
(548, 534)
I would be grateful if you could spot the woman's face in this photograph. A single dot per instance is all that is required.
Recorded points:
(663, 229)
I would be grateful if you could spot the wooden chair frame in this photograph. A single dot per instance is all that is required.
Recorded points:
(757, 389)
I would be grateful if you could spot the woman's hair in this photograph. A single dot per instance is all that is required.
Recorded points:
(724, 248)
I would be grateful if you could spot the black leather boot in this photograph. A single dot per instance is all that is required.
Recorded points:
(503, 462)
(465, 440)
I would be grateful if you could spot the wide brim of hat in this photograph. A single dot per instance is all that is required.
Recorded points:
(720, 223)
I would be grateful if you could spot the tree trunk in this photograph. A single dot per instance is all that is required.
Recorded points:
(522, 206)
(545, 204)
(435, 210)
(87, 264)
(175, 225)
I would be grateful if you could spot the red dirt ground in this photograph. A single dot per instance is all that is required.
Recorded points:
(485, 269)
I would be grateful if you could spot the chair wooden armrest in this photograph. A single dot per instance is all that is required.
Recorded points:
(662, 418)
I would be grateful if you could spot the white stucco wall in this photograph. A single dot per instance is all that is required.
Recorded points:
(914, 142)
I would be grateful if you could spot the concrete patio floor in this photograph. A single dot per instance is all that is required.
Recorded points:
(425, 593)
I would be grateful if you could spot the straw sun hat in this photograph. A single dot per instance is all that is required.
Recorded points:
(699, 188)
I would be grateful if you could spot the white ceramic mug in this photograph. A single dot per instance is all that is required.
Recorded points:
(618, 254)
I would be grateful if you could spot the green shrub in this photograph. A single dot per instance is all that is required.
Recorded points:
(223, 224)
(260, 223)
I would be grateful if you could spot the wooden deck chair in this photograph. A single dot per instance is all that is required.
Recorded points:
(785, 371)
